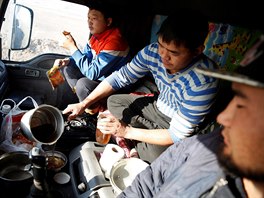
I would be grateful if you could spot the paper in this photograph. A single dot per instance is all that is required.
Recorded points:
(110, 156)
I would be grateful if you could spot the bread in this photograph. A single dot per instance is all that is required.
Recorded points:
(65, 33)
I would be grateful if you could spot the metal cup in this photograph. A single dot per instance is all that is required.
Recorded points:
(43, 124)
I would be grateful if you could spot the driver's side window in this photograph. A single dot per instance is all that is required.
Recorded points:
(50, 19)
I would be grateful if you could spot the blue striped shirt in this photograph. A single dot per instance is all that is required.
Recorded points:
(185, 97)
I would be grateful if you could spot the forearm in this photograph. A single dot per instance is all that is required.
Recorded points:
(73, 49)
(152, 136)
(103, 90)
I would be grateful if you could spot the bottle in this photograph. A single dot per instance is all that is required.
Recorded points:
(5, 110)
(99, 136)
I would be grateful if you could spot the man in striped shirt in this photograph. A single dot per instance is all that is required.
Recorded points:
(185, 97)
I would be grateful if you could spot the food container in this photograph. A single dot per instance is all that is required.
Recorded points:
(124, 172)
(56, 160)
(16, 176)
(55, 76)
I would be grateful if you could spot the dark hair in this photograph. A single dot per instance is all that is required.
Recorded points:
(101, 6)
(106, 9)
(188, 28)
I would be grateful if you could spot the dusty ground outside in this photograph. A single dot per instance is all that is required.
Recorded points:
(51, 17)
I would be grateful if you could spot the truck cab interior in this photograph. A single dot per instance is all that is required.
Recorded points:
(234, 27)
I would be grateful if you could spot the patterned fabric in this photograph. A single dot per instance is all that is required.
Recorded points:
(227, 44)
(185, 96)
(104, 54)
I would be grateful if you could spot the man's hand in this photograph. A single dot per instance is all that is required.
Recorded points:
(69, 43)
(74, 110)
(62, 62)
(108, 124)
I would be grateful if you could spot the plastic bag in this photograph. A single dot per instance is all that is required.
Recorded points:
(11, 136)
(55, 76)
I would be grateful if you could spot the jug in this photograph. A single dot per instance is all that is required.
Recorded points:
(43, 124)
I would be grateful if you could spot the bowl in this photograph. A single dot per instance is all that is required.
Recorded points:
(124, 172)
(16, 178)
(56, 160)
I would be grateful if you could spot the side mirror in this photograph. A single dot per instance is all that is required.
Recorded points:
(22, 27)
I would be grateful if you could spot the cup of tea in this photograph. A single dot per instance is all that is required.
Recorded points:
(99, 136)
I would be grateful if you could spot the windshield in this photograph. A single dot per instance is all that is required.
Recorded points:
(50, 19)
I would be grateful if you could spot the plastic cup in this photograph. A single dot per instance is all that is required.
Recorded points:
(99, 136)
